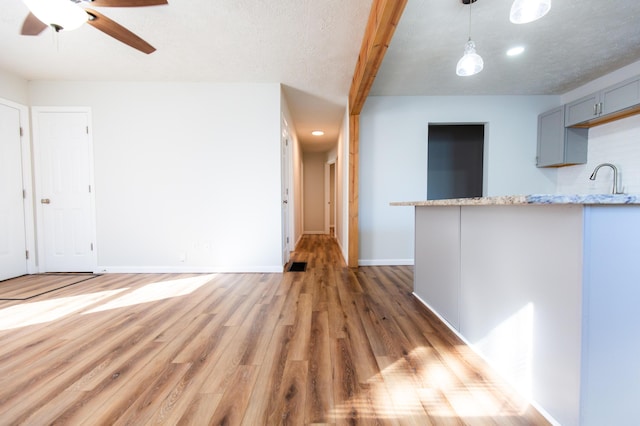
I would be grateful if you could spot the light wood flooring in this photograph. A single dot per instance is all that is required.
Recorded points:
(326, 346)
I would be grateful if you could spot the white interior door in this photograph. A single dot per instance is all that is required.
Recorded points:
(13, 260)
(286, 239)
(64, 171)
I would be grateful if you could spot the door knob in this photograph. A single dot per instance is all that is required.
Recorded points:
(45, 201)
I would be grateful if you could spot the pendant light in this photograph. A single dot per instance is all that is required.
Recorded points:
(471, 63)
(525, 11)
(59, 14)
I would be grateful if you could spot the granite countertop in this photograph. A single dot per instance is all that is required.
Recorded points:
(585, 199)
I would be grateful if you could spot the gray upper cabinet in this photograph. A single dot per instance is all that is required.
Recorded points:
(621, 96)
(614, 102)
(559, 145)
(583, 109)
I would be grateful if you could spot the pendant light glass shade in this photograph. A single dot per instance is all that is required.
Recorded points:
(59, 14)
(525, 11)
(471, 63)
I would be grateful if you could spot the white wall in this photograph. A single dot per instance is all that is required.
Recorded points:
(183, 171)
(618, 143)
(13, 88)
(393, 160)
(313, 193)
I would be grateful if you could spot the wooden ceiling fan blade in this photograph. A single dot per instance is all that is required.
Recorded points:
(32, 25)
(126, 3)
(117, 31)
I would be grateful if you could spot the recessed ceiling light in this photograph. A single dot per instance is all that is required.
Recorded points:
(515, 51)
(317, 133)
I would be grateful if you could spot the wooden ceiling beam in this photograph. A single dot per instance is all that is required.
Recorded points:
(382, 23)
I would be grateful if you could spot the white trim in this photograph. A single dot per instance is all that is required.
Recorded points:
(326, 198)
(455, 331)
(186, 269)
(329, 203)
(286, 209)
(35, 110)
(27, 183)
(315, 233)
(385, 262)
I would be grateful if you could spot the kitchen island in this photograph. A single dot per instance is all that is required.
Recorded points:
(547, 289)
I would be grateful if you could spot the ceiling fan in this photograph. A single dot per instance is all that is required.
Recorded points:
(66, 15)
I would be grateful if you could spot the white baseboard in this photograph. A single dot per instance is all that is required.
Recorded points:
(187, 269)
(315, 233)
(385, 262)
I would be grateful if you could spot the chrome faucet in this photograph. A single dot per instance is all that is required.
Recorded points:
(615, 176)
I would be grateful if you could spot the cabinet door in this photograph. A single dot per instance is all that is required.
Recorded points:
(559, 145)
(581, 110)
(550, 138)
(621, 96)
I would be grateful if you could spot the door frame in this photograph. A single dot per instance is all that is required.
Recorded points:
(35, 111)
(27, 184)
(327, 195)
(286, 193)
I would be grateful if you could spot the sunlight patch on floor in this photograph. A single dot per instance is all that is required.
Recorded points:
(32, 313)
(156, 291)
(405, 391)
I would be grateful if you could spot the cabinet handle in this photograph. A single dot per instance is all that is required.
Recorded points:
(600, 108)
(595, 109)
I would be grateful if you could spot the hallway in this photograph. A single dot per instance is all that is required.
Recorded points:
(326, 346)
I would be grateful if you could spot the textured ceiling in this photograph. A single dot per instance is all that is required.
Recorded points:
(311, 47)
(576, 42)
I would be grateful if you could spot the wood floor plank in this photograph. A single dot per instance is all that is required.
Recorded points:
(301, 330)
(319, 403)
(267, 386)
(261, 332)
(330, 346)
(231, 408)
(199, 411)
(289, 409)
(402, 388)
(221, 375)
(176, 405)
(346, 387)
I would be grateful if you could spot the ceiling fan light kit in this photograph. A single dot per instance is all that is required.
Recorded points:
(58, 14)
(67, 15)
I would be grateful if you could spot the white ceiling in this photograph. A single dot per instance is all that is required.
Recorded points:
(311, 47)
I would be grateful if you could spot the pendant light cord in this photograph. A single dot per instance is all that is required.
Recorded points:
(470, 3)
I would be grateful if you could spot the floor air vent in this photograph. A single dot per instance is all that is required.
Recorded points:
(298, 267)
